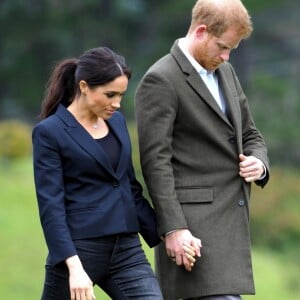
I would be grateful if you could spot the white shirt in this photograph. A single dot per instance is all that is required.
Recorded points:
(210, 79)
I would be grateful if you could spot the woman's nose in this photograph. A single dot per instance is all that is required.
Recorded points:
(116, 104)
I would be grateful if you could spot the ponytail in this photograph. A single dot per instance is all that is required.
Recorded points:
(60, 88)
(96, 67)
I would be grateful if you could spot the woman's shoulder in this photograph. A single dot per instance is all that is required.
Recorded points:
(49, 122)
(56, 119)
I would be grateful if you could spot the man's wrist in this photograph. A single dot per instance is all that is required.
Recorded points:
(169, 232)
(264, 174)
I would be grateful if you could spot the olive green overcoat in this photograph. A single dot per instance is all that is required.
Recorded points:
(189, 157)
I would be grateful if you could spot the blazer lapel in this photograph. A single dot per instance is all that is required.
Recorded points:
(120, 131)
(83, 138)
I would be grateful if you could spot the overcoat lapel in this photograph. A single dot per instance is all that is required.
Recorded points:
(194, 80)
(232, 103)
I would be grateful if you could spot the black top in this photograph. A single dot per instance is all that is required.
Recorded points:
(111, 147)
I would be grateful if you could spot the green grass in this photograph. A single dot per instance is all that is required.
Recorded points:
(23, 251)
(276, 277)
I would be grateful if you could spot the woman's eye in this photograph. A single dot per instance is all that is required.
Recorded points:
(113, 94)
(110, 95)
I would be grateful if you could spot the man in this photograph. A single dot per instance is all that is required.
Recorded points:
(200, 152)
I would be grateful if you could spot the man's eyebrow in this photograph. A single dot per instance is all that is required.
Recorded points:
(227, 46)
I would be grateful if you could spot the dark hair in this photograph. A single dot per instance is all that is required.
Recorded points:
(96, 66)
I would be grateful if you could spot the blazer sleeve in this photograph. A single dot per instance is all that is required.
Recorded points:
(49, 185)
(146, 214)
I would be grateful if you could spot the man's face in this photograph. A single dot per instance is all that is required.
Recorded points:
(211, 51)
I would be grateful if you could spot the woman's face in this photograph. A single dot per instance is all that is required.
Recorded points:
(104, 100)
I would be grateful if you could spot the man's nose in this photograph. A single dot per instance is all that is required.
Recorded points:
(225, 55)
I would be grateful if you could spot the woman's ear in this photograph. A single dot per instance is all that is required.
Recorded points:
(83, 86)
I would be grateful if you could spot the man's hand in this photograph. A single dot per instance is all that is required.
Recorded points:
(251, 168)
(182, 247)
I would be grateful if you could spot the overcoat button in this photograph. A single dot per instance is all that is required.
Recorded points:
(241, 203)
(232, 140)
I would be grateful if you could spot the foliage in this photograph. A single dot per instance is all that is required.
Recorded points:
(41, 32)
(38, 33)
(275, 212)
(258, 5)
(15, 139)
(281, 128)
(275, 275)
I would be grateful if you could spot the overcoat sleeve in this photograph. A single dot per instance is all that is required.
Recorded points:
(156, 108)
(252, 140)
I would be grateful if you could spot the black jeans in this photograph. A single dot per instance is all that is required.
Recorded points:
(220, 297)
(117, 264)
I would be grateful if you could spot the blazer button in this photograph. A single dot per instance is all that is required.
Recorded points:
(115, 183)
(241, 203)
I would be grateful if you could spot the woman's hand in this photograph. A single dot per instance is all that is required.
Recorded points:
(190, 254)
(183, 248)
(81, 286)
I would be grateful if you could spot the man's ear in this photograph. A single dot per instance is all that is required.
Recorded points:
(201, 30)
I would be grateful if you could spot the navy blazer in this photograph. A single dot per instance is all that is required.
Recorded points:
(79, 193)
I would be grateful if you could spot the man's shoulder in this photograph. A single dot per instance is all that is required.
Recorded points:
(163, 64)
(227, 68)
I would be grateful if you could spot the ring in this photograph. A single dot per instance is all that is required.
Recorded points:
(173, 258)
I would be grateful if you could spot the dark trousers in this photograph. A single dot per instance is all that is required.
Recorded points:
(219, 297)
(117, 264)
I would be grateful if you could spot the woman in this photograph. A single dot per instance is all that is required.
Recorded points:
(90, 203)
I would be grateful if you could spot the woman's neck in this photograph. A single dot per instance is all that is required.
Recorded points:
(93, 124)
